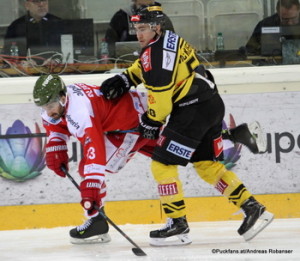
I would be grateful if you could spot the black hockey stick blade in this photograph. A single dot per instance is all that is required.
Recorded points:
(136, 250)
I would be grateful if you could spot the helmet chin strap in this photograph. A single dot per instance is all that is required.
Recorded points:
(156, 36)
(153, 28)
(64, 104)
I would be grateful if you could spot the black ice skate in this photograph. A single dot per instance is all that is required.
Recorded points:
(251, 135)
(256, 219)
(176, 228)
(94, 230)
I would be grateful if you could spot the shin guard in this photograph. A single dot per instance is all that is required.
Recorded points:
(223, 180)
(169, 188)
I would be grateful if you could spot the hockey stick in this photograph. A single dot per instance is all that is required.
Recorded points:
(41, 135)
(122, 131)
(20, 136)
(136, 250)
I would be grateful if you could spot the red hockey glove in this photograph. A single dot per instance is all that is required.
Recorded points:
(57, 156)
(90, 194)
(149, 129)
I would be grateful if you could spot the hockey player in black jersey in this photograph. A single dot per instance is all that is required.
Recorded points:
(184, 99)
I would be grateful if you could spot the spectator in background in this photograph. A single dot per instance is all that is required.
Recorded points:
(287, 14)
(29, 31)
(121, 28)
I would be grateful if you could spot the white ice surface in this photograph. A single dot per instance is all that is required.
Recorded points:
(53, 244)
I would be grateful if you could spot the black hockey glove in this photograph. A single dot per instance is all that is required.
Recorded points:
(149, 129)
(115, 86)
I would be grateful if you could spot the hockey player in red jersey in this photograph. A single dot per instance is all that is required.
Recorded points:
(184, 98)
(79, 110)
(103, 128)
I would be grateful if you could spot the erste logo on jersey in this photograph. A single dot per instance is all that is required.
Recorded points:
(171, 41)
(180, 150)
(146, 60)
(170, 49)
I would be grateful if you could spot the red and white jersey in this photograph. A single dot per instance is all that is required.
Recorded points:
(92, 120)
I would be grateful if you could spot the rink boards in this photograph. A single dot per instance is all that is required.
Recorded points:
(269, 95)
(140, 211)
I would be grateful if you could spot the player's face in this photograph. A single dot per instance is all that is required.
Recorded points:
(289, 16)
(55, 109)
(37, 8)
(145, 33)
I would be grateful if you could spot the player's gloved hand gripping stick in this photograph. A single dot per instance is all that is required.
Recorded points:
(136, 250)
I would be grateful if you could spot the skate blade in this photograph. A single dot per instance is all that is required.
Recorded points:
(264, 220)
(260, 138)
(177, 240)
(103, 238)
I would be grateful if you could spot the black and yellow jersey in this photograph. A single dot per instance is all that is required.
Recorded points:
(166, 67)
